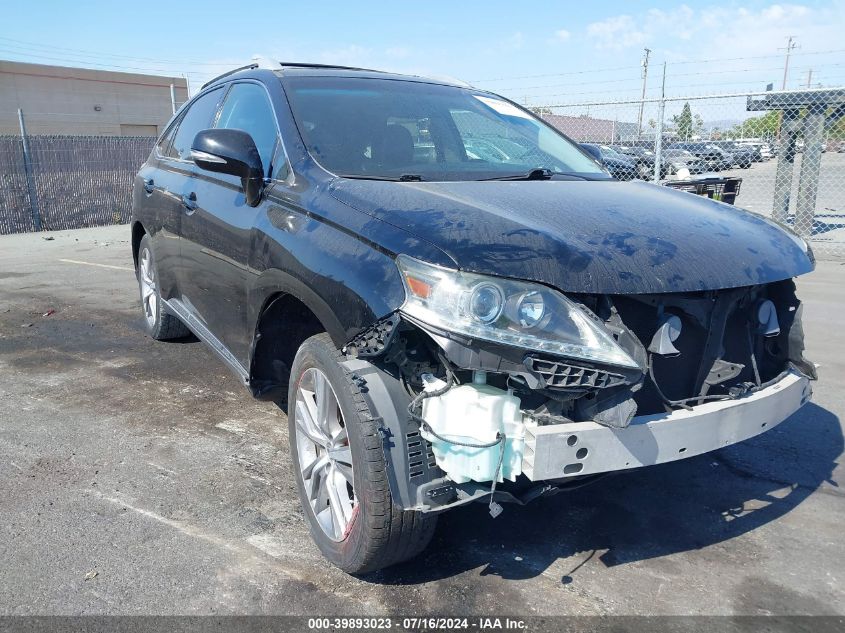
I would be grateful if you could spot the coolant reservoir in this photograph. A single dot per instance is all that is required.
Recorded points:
(473, 414)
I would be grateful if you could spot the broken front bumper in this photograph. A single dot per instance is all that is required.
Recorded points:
(585, 448)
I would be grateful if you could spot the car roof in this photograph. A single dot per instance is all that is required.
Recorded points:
(303, 69)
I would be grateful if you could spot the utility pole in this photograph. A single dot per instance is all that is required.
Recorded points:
(658, 138)
(810, 78)
(30, 177)
(647, 52)
(791, 45)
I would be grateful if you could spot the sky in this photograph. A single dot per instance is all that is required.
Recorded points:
(537, 52)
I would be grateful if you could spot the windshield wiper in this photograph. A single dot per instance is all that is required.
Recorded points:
(540, 173)
(402, 178)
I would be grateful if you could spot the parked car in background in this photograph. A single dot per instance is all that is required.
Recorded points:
(756, 150)
(678, 159)
(450, 326)
(743, 156)
(620, 166)
(714, 158)
(767, 150)
(643, 158)
(728, 159)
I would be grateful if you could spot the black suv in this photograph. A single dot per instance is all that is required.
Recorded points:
(714, 158)
(452, 301)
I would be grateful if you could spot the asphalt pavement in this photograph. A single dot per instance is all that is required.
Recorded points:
(828, 235)
(139, 477)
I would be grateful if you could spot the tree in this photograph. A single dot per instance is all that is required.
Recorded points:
(683, 122)
(837, 130)
(540, 110)
(764, 126)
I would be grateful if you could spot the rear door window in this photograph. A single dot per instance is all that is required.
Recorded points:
(165, 145)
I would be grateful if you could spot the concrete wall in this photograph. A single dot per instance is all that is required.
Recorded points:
(60, 100)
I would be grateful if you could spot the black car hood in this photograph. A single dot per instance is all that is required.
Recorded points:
(587, 236)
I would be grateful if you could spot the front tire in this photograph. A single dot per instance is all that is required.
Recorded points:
(158, 323)
(340, 468)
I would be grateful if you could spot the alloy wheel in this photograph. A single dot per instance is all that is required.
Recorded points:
(324, 455)
(149, 298)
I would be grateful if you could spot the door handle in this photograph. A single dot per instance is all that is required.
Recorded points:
(149, 185)
(189, 201)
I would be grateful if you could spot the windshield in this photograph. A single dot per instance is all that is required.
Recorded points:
(609, 151)
(383, 128)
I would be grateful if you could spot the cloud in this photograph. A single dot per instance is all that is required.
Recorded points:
(617, 32)
(562, 35)
(727, 29)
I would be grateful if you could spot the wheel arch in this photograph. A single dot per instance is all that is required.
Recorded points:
(138, 233)
(284, 317)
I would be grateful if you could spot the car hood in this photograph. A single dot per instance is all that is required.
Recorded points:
(587, 236)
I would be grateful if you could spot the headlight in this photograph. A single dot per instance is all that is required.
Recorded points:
(517, 313)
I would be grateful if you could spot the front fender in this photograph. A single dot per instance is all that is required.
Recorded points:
(344, 281)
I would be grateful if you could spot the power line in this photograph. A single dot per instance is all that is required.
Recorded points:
(677, 63)
(574, 72)
(742, 59)
(701, 73)
(84, 52)
(99, 65)
(631, 91)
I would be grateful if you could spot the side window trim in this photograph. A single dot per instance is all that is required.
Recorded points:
(167, 135)
(174, 126)
(280, 141)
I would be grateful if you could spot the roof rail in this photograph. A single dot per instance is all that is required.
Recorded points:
(229, 72)
(328, 66)
(261, 62)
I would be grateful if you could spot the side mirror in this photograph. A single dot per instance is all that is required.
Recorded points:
(231, 152)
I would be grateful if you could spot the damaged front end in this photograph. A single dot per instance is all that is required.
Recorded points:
(534, 391)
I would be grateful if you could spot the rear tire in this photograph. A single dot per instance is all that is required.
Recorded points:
(158, 323)
(340, 438)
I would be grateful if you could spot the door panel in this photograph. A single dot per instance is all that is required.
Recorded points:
(218, 234)
(162, 217)
(172, 178)
(162, 180)
(216, 255)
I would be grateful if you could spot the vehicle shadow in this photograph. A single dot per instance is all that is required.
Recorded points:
(641, 514)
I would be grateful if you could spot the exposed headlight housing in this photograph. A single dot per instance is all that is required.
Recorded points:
(518, 313)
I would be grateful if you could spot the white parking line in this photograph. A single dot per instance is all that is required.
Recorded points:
(75, 261)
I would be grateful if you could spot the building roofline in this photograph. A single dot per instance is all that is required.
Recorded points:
(102, 75)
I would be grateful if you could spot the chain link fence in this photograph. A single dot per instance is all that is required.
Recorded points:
(779, 154)
(67, 182)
